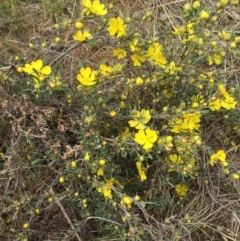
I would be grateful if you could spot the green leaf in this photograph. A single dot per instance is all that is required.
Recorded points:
(80, 64)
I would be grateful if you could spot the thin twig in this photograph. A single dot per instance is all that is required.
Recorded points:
(64, 53)
(64, 212)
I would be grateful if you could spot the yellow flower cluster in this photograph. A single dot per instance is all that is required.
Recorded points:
(219, 156)
(145, 136)
(106, 189)
(100, 171)
(216, 57)
(189, 123)
(37, 71)
(172, 69)
(94, 7)
(81, 35)
(55, 83)
(226, 101)
(110, 71)
(166, 142)
(127, 201)
(154, 53)
(184, 164)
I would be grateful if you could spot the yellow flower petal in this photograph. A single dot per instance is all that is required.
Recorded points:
(46, 70)
(37, 65)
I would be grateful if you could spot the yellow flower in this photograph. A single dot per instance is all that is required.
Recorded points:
(86, 76)
(169, 139)
(120, 53)
(215, 105)
(25, 225)
(172, 68)
(126, 134)
(196, 4)
(146, 138)
(107, 192)
(237, 40)
(73, 164)
(105, 70)
(37, 69)
(117, 67)
(140, 119)
(222, 90)
(84, 202)
(102, 162)
(79, 25)
(215, 58)
(177, 127)
(87, 156)
(137, 198)
(141, 172)
(113, 113)
(190, 27)
(219, 156)
(57, 40)
(82, 35)
(95, 7)
(197, 99)
(20, 69)
(55, 82)
(228, 103)
(137, 59)
(235, 176)
(127, 200)
(154, 53)
(100, 172)
(139, 81)
(117, 27)
(204, 15)
(187, 7)
(225, 35)
(233, 45)
(111, 182)
(133, 45)
(191, 122)
(181, 189)
(61, 180)
(179, 31)
(175, 158)
(106, 188)
(122, 104)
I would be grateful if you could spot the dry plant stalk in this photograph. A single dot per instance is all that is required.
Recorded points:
(64, 212)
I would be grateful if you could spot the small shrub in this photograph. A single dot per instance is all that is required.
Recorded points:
(130, 132)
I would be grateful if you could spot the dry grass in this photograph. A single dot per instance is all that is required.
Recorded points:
(213, 213)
